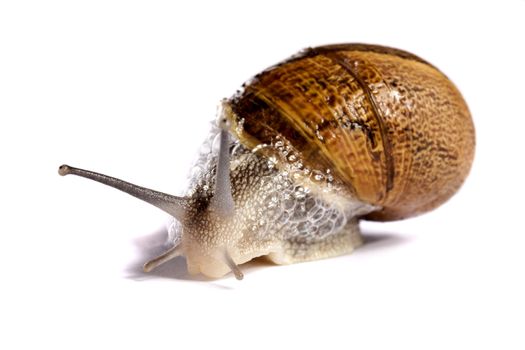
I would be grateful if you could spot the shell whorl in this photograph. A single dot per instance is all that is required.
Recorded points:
(388, 125)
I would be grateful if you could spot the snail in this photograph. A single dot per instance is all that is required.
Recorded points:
(306, 149)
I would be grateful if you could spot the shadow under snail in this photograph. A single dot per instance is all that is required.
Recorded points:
(309, 147)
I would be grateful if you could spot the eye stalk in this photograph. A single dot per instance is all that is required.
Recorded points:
(222, 200)
(173, 205)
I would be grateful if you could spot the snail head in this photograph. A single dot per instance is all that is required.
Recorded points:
(209, 233)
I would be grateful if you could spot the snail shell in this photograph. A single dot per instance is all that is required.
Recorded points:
(391, 126)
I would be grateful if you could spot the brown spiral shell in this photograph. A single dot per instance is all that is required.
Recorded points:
(389, 125)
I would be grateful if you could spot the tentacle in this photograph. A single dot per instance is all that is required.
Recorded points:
(164, 257)
(233, 266)
(173, 205)
(222, 201)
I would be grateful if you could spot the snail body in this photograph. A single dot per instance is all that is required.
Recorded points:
(310, 146)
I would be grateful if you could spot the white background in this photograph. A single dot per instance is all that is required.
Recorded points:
(128, 88)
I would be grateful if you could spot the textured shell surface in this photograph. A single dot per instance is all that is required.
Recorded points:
(388, 125)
